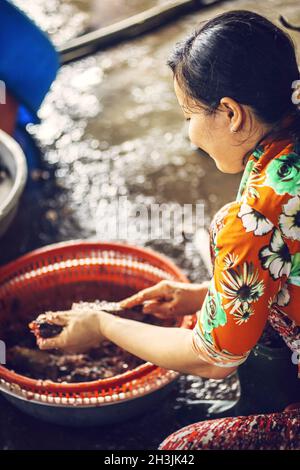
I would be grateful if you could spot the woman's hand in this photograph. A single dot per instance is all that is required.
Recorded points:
(81, 331)
(169, 299)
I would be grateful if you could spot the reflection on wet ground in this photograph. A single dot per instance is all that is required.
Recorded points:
(65, 19)
(111, 127)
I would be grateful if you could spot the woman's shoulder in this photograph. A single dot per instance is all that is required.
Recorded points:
(273, 186)
(282, 170)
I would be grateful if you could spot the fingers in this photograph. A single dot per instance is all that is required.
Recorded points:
(76, 306)
(159, 309)
(154, 292)
(56, 318)
(152, 306)
(51, 343)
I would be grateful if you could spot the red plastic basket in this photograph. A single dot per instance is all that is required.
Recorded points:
(55, 276)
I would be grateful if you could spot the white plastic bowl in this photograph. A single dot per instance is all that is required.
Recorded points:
(12, 156)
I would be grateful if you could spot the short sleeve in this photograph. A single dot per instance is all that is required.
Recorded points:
(251, 265)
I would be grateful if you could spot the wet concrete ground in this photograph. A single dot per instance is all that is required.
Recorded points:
(111, 127)
(65, 19)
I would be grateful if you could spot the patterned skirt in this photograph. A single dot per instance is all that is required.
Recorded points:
(276, 431)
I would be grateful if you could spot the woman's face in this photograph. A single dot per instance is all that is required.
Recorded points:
(225, 135)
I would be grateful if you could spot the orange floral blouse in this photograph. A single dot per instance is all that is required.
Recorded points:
(255, 252)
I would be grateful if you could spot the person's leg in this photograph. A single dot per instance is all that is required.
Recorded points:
(273, 431)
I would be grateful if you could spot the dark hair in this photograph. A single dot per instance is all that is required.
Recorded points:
(242, 55)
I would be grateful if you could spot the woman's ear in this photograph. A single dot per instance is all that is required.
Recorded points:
(234, 113)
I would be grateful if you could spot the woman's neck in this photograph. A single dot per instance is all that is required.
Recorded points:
(266, 134)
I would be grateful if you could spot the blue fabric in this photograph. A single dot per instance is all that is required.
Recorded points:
(25, 117)
(28, 60)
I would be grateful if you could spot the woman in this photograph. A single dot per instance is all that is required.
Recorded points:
(233, 80)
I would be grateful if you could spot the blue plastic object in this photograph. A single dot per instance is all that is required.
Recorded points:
(28, 60)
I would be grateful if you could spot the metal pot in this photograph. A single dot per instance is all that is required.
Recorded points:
(13, 158)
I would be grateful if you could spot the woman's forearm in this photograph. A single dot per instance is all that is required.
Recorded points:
(170, 348)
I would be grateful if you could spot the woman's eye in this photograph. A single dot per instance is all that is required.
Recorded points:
(188, 119)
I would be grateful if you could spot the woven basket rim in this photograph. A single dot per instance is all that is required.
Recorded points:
(63, 248)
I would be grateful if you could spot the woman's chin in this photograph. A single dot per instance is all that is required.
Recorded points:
(222, 168)
(227, 169)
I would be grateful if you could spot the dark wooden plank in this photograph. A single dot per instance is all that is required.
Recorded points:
(129, 28)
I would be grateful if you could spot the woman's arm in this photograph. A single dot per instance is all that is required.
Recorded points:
(170, 348)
